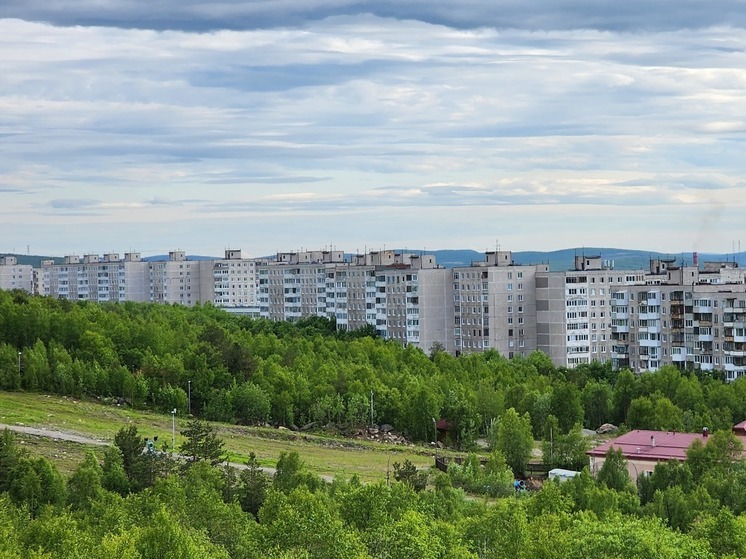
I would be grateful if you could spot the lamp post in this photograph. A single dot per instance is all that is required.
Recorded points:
(173, 430)
(189, 396)
(19, 364)
(435, 432)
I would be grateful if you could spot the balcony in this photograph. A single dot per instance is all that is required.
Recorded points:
(620, 329)
(620, 315)
(735, 310)
(678, 357)
(649, 316)
(704, 337)
(649, 343)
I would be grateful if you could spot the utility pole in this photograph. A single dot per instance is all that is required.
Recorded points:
(371, 407)
(173, 430)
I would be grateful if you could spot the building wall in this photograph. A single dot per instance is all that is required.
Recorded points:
(14, 275)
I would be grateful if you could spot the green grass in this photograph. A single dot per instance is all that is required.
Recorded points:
(324, 455)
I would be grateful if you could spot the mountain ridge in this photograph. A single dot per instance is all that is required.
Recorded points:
(562, 259)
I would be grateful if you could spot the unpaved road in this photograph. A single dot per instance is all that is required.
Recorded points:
(52, 434)
(63, 436)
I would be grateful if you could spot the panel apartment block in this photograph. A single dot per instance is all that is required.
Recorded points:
(14, 275)
(494, 305)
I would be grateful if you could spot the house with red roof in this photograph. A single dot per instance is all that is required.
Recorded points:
(644, 449)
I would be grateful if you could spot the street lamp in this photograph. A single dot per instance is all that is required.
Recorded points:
(19, 363)
(189, 396)
(173, 430)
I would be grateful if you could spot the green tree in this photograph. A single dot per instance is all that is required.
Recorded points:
(564, 451)
(114, 476)
(512, 436)
(253, 486)
(84, 486)
(409, 474)
(251, 404)
(566, 406)
(10, 455)
(290, 474)
(597, 404)
(624, 392)
(202, 443)
(613, 473)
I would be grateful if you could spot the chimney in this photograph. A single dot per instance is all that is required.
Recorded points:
(652, 441)
(695, 260)
(705, 432)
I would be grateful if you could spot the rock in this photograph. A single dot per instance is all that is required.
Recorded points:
(283, 428)
(386, 428)
(308, 426)
(294, 427)
(373, 431)
(607, 428)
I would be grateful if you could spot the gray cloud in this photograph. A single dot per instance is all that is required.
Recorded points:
(73, 204)
(132, 129)
(199, 15)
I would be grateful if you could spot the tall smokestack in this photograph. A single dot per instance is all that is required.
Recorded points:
(695, 260)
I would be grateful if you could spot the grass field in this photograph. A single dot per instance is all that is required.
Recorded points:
(324, 455)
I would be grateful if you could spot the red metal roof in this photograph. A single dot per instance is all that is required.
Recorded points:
(740, 428)
(638, 444)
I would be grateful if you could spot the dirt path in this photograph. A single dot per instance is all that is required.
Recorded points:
(52, 434)
(63, 436)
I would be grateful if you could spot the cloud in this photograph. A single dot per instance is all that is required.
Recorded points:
(348, 117)
(73, 204)
(200, 16)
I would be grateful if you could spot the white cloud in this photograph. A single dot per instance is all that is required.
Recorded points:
(354, 119)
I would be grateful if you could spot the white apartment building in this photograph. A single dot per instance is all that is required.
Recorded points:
(14, 275)
(230, 282)
(689, 316)
(644, 319)
(404, 296)
(95, 279)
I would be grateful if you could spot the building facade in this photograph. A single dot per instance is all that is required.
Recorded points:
(692, 317)
(16, 276)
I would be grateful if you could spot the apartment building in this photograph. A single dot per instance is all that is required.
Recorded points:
(643, 319)
(404, 296)
(229, 282)
(495, 305)
(574, 310)
(690, 316)
(14, 275)
(94, 278)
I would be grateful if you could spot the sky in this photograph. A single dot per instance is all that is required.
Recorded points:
(283, 125)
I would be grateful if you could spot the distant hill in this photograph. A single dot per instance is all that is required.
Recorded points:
(162, 257)
(564, 259)
(623, 259)
(33, 259)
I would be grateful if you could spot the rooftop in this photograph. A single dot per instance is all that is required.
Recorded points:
(651, 445)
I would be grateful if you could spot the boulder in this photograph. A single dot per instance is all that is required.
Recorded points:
(607, 428)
